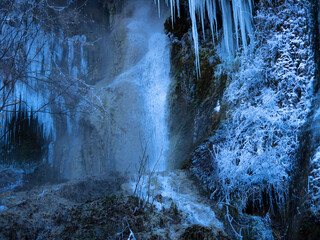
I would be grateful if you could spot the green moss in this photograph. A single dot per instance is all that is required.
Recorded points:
(174, 208)
(193, 97)
(111, 199)
(186, 164)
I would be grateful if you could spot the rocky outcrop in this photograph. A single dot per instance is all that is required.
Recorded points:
(304, 216)
(194, 98)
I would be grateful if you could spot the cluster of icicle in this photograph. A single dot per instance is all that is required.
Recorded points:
(236, 21)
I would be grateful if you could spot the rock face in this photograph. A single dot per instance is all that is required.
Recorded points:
(194, 99)
(80, 149)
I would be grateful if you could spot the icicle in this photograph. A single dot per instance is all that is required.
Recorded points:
(211, 11)
(237, 16)
(172, 3)
(202, 17)
(192, 10)
(235, 6)
(178, 8)
(70, 54)
(159, 12)
(227, 26)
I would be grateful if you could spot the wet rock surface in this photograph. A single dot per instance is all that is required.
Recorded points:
(194, 98)
(200, 232)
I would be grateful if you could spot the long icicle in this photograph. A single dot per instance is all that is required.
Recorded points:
(237, 17)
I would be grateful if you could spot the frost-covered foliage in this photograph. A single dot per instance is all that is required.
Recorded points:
(236, 19)
(314, 182)
(253, 151)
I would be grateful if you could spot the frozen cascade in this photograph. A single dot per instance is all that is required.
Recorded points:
(44, 53)
(135, 102)
(236, 16)
(46, 78)
(29, 88)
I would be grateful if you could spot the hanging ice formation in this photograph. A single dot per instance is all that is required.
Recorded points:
(236, 18)
(32, 91)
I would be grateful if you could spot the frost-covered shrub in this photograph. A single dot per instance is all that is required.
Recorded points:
(314, 182)
(268, 99)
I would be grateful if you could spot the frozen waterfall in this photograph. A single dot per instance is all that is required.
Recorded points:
(135, 102)
(132, 99)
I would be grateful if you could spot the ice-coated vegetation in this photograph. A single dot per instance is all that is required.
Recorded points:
(268, 99)
(314, 182)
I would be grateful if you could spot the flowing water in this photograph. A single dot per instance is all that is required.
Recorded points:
(135, 102)
(140, 97)
(175, 189)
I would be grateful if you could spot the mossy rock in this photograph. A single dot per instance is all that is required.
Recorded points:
(186, 164)
(197, 232)
(193, 96)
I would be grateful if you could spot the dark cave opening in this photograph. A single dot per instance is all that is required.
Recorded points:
(23, 142)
